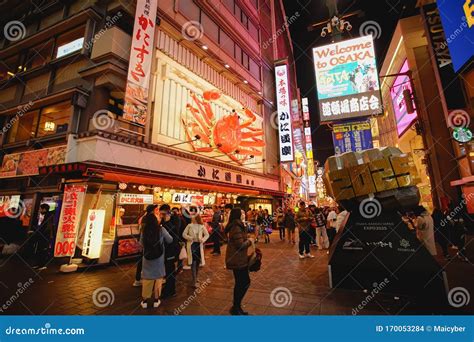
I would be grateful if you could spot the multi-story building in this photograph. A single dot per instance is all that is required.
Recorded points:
(206, 136)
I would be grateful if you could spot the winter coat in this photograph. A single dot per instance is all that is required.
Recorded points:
(194, 233)
(155, 269)
(236, 256)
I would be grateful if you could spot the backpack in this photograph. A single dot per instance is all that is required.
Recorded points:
(153, 251)
(255, 260)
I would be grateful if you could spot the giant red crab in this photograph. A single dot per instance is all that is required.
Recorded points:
(228, 135)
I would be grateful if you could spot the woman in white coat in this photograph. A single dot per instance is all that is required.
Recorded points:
(425, 229)
(195, 235)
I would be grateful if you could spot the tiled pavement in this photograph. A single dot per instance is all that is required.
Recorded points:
(301, 288)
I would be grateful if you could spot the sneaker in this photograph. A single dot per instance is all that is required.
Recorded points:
(301, 256)
(137, 283)
(42, 268)
(309, 255)
(144, 304)
(156, 303)
(186, 267)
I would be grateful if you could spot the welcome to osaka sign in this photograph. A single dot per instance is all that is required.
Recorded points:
(347, 80)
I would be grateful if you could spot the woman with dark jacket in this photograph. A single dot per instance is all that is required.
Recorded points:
(236, 258)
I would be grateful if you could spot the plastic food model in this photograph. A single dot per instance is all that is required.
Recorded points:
(375, 248)
(238, 140)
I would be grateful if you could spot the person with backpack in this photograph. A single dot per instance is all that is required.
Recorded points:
(267, 225)
(322, 239)
(237, 260)
(304, 218)
(195, 234)
(153, 238)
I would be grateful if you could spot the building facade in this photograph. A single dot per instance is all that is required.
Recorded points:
(208, 136)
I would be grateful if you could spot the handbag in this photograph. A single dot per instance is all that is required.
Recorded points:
(183, 254)
(255, 259)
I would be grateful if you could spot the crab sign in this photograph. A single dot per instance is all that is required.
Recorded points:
(231, 134)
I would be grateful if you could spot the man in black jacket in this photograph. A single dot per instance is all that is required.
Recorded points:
(43, 230)
(171, 224)
(216, 227)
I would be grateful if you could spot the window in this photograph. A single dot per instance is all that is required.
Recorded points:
(38, 55)
(254, 3)
(189, 9)
(24, 127)
(229, 4)
(226, 43)
(253, 30)
(210, 28)
(238, 53)
(245, 60)
(69, 42)
(244, 20)
(254, 69)
(8, 68)
(54, 119)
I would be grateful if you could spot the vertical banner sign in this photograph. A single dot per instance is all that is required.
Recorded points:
(352, 137)
(283, 111)
(139, 68)
(347, 80)
(69, 218)
(93, 235)
(402, 117)
(308, 146)
(449, 82)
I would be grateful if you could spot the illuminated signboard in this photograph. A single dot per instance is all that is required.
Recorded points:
(70, 47)
(347, 80)
(401, 83)
(139, 68)
(457, 17)
(135, 199)
(283, 113)
(352, 137)
(93, 235)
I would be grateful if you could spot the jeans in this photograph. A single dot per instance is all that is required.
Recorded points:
(170, 285)
(242, 284)
(216, 239)
(331, 235)
(42, 253)
(322, 238)
(196, 254)
(305, 240)
(312, 235)
(138, 273)
(282, 232)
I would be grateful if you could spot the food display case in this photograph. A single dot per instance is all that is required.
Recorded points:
(127, 241)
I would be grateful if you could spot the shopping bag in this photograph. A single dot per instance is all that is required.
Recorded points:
(183, 254)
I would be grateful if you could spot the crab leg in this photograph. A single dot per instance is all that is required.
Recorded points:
(196, 130)
(250, 152)
(198, 118)
(237, 160)
(209, 114)
(246, 135)
(206, 113)
(251, 118)
(253, 142)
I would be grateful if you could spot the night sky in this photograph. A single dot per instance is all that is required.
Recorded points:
(385, 13)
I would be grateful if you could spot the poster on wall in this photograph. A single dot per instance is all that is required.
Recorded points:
(73, 201)
(402, 117)
(28, 163)
(352, 137)
(93, 235)
(285, 132)
(347, 79)
(139, 68)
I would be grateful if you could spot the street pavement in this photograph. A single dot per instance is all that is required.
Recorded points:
(285, 285)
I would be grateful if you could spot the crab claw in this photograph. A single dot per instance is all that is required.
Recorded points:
(211, 95)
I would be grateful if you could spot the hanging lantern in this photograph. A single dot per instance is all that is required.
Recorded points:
(156, 189)
(122, 186)
(141, 188)
(167, 197)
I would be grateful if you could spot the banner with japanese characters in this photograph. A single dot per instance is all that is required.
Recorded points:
(352, 137)
(283, 112)
(69, 219)
(139, 69)
(347, 80)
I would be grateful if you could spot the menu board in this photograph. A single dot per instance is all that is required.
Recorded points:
(28, 163)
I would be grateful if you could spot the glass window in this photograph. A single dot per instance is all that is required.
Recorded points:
(210, 28)
(189, 9)
(229, 4)
(8, 68)
(226, 43)
(253, 30)
(254, 69)
(237, 11)
(238, 54)
(69, 42)
(244, 20)
(254, 3)
(38, 55)
(245, 60)
(23, 127)
(54, 119)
